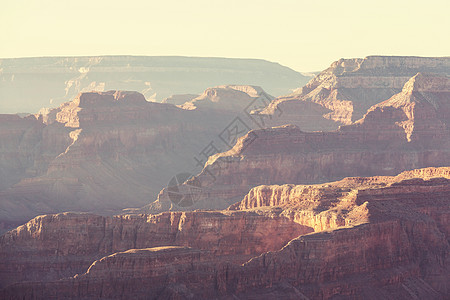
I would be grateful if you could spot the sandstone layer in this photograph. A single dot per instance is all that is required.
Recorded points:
(377, 237)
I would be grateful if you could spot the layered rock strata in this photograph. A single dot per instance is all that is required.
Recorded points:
(410, 130)
(56, 246)
(386, 237)
(349, 87)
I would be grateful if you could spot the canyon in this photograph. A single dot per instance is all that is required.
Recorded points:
(104, 152)
(338, 190)
(293, 241)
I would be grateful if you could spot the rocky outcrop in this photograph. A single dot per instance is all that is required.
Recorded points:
(95, 108)
(391, 242)
(410, 130)
(349, 87)
(348, 202)
(27, 84)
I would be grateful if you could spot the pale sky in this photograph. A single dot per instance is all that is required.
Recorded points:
(303, 35)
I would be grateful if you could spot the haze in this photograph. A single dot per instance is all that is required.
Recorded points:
(304, 35)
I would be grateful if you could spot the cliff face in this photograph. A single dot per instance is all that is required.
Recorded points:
(349, 202)
(390, 221)
(51, 81)
(349, 87)
(410, 130)
(50, 247)
(389, 240)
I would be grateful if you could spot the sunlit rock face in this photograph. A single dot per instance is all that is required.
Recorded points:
(349, 87)
(409, 130)
(28, 84)
(361, 237)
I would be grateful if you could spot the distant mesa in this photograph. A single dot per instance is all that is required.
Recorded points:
(50, 81)
(230, 98)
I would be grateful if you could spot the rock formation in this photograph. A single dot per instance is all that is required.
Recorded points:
(409, 130)
(97, 153)
(349, 87)
(376, 237)
(50, 247)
